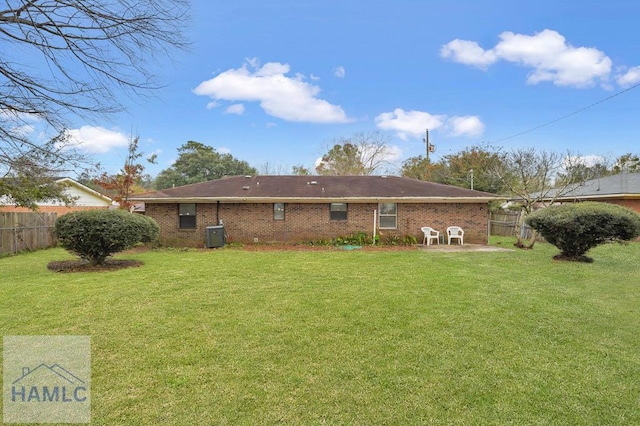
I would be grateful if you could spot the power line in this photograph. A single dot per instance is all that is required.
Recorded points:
(568, 115)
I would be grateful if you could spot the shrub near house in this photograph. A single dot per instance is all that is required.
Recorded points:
(95, 235)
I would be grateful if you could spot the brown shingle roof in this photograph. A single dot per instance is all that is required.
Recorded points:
(313, 188)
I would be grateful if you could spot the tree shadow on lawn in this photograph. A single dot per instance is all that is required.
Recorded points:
(79, 265)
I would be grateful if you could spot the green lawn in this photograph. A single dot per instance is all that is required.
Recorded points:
(346, 337)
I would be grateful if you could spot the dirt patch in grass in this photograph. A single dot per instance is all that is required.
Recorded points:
(566, 258)
(84, 266)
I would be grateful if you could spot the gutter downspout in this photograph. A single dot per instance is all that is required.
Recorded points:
(375, 222)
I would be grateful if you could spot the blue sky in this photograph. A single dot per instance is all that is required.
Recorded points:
(276, 82)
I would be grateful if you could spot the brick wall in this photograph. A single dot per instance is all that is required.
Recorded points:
(244, 222)
(632, 204)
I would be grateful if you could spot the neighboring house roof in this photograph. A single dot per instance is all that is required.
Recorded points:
(620, 186)
(270, 188)
(83, 195)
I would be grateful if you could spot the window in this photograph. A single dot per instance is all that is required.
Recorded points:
(187, 215)
(388, 215)
(338, 211)
(278, 211)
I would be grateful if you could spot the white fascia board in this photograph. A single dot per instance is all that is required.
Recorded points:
(307, 200)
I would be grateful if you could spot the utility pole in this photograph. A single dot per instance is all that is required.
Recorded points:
(471, 176)
(430, 148)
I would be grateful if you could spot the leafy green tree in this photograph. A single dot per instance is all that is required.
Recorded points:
(344, 159)
(467, 169)
(627, 163)
(470, 169)
(200, 163)
(300, 170)
(578, 227)
(360, 154)
(421, 168)
(94, 235)
(28, 176)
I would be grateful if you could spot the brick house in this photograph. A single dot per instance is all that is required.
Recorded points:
(269, 208)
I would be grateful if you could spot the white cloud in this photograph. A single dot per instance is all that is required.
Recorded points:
(469, 125)
(96, 140)
(408, 123)
(291, 99)
(547, 53)
(415, 123)
(393, 154)
(317, 162)
(339, 72)
(468, 53)
(585, 160)
(237, 109)
(630, 77)
(18, 123)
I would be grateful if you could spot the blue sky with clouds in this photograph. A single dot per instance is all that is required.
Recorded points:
(275, 82)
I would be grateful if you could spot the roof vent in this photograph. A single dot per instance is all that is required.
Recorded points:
(246, 187)
(383, 176)
(313, 182)
(247, 176)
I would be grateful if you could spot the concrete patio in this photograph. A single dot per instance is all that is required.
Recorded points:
(461, 247)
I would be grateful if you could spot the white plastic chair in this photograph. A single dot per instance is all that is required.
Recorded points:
(430, 234)
(455, 232)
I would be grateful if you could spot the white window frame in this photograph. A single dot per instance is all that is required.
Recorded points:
(335, 209)
(278, 211)
(384, 215)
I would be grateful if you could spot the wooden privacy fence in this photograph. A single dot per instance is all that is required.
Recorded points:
(26, 231)
(504, 224)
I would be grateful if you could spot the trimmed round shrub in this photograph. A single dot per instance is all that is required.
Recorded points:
(577, 227)
(95, 235)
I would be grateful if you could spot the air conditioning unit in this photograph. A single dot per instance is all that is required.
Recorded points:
(215, 236)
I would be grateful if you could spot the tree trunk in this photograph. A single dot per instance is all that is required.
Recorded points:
(521, 242)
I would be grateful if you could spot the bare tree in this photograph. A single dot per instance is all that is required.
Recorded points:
(536, 179)
(68, 58)
(361, 154)
(268, 168)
